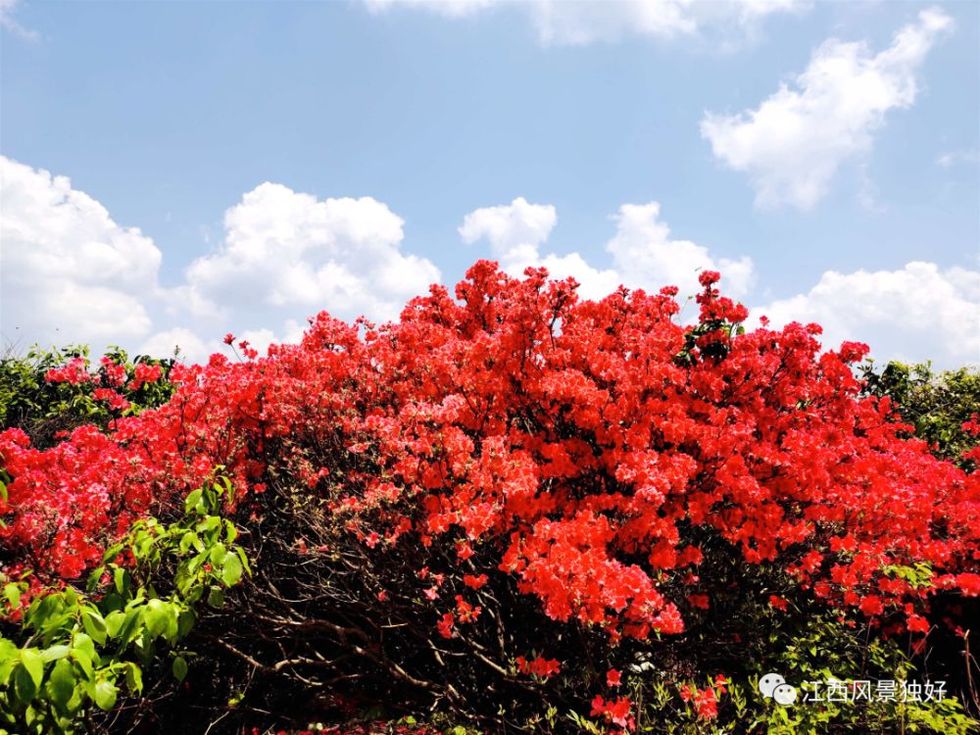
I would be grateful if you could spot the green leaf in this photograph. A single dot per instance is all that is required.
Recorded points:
(113, 622)
(54, 653)
(218, 553)
(94, 625)
(12, 592)
(33, 663)
(83, 644)
(244, 558)
(229, 488)
(180, 668)
(24, 686)
(134, 678)
(105, 694)
(94, 578)
(129, 629)
(83, 660)
(193, 499)
(61, 683)
(155, 616)
(119, 577)
(231, 572)
(9, 657)
(185, 621)
(188, 540)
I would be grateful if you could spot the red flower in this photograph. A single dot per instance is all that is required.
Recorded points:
(580, 448)
(780, 603)
(701, 602)
(445, 626)
(871, 605)
(918, 624)
(615, 711)
(969, 583)
(707, 278)
(613, 678)
(539, 666)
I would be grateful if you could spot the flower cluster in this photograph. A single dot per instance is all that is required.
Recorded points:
(580, 449)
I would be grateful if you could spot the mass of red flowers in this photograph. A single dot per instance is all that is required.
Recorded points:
(573, 447)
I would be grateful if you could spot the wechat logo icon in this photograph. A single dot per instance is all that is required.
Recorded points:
(774, 686)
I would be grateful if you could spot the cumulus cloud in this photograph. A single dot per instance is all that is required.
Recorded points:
(9, 23)
(642, 251)
(70, 273)
(513, 230)
(288, 250)
(582, 22)
(919, 312)
(645, 254)
(180, 341)
(794, 142)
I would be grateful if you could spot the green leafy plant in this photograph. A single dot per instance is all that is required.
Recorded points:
(77, 650)
(50, 391)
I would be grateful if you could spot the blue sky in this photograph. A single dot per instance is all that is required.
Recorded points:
(851, 197)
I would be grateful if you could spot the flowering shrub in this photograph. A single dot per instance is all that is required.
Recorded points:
(496, 500)
(76, 650)
(49, 392)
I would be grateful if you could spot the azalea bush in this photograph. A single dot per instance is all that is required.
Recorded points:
(940, 405)
(514, 510)
(74, 651)
(49, 392)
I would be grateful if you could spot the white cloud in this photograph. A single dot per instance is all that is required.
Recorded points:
(513, 230)
(285, 250)
(580, 22)
(953, 158)
(643, 253)
(920, 312)
(192, 348)
(448, 8)
(792, 145)
(9, 23)
(70, 273)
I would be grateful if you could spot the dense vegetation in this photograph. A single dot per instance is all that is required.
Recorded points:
(510, 511)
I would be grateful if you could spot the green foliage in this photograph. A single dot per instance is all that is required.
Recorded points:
(936, 403)
(811, 648)
(77, 650)
(817, 648)
(43, 408)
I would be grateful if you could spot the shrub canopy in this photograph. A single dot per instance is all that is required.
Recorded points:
(516, 447)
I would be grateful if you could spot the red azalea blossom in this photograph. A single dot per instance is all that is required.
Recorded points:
(74, 372)
(578, 450)
(474, 581)
(918, 624)
(446, 624)
(616, 711)
(112, 399)
(702, 602)
(780, 603)
(540, 666)
(872, 605)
